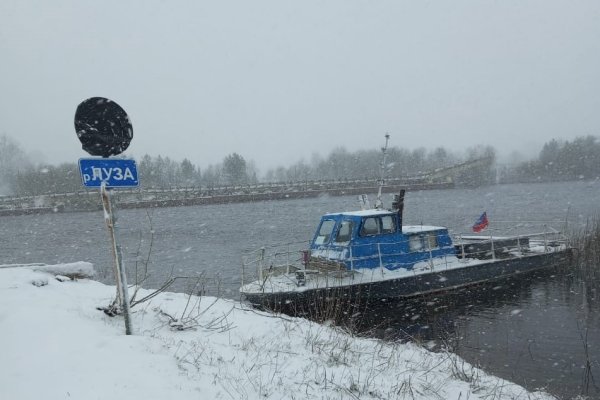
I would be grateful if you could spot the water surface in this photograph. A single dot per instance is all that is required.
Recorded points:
(532, 332)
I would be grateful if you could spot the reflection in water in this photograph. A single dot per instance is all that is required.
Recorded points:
(527, 330)
(434, 316)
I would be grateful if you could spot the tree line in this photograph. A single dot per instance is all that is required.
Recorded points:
(155, 173)
(400, 163)
(20, 176)
(558, 160)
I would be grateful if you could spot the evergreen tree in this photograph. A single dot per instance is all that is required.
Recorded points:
(234, 169)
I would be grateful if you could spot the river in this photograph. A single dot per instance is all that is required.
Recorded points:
(533, 332)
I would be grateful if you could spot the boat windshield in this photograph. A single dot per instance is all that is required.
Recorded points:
(325, 231)
(345, 232)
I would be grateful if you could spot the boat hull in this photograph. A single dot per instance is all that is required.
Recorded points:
(422, 284)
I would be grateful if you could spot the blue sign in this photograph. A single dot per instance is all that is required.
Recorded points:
(116, 172)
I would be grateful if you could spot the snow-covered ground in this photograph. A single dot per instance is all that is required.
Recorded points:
(57, 345)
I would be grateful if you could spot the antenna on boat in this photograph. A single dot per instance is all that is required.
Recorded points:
(378, 202)
(363, 201)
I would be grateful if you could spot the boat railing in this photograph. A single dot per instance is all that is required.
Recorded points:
(290, 257)
(550, 239)
(518, 227)
(272, 260)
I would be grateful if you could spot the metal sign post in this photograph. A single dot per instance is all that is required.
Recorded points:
(105, 130)
(120, 275)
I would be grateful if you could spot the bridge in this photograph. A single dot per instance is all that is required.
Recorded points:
(88, 200)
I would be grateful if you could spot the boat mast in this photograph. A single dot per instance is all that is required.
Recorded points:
(378, 202)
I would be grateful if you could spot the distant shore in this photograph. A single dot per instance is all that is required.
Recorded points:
(180, 197)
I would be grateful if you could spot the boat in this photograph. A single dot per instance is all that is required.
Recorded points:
(369, 255)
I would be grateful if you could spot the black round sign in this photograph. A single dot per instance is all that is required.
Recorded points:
(103, 127)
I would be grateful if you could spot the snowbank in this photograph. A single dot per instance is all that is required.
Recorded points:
(80, 269)
(57, 345)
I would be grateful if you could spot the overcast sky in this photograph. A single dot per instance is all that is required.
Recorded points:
(278, 80)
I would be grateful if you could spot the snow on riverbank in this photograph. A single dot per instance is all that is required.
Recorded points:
(56, 345)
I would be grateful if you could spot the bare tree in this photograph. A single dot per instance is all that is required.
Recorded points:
(12, 160)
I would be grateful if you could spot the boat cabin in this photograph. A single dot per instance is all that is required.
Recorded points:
(376, 238)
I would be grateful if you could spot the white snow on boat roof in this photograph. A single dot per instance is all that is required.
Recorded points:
(420, 228)
(405, 228)
(362, 213)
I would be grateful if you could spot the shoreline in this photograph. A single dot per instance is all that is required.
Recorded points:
(188, 346)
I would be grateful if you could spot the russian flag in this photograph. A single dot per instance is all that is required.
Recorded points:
(481, 223)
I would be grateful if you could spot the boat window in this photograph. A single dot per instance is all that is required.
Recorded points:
(388, 224)
(415, 243)
(345, 232)
(325, 231)
(370, 226)
(433, 240)
(377, 225)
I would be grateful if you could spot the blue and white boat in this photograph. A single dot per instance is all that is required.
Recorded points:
(371, 255)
